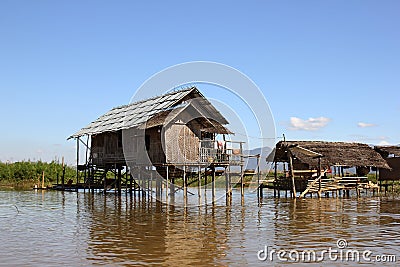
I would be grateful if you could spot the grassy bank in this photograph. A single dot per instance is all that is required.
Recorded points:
(24, 175)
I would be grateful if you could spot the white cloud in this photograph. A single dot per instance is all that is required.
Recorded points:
(311, 124)
(364, 124)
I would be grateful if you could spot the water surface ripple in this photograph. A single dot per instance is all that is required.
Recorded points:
(70, 229)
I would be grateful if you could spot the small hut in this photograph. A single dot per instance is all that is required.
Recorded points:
(308, 163)
(392, 156)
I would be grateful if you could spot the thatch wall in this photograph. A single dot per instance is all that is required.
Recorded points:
(394, 173)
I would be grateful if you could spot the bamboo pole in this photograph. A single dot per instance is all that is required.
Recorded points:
(213, 184)
(226, 185)
(241, 174)
(167, 188)
(292, 175)
(43, 180)
(63, 175)
(259, 188)
(77, 162)
(199, 184)
(275, 177)
(119, 180)
(184, 186)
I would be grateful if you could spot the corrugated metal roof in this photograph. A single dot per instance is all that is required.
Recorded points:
(137, 113)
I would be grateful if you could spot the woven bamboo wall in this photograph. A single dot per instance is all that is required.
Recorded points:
(182, 143)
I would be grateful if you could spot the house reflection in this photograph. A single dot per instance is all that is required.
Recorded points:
(142, 231)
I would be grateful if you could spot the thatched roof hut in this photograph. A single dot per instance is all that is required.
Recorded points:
(306, 153)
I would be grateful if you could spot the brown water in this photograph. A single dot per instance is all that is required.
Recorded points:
(55, 228)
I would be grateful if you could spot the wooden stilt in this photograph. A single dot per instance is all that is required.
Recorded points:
(241, 174)
(199, 184)
(77, 163)
(43, 180)
(229, 184)
(86, 163)
(63, 175)
(105, 183)
(259, 189)
(292, 175)
(167, 187)
(119, 180)
(115, 178)
(172, 190)
(213, 184)
(184, 186)
(226, 185)
(275, 177)
(242, 183)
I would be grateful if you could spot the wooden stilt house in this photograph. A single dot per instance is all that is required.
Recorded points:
(179, 128)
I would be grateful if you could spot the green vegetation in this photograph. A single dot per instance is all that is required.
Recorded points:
(25, 174)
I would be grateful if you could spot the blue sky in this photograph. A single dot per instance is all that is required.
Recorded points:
(64, 63)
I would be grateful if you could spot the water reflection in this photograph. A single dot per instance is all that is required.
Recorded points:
(141, 231)
(81, 229)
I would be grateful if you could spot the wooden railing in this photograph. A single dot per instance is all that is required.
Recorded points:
(212, 152)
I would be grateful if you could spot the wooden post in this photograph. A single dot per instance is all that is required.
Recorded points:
(230, 182)
(199, 184)
(392, 186)
(319, 174)
(377, 180)
(126, 181)
(241, 174)
(213, 184)
(77, 162)
(63, 175)
(141, 183)
(259, 191)
(226, 186)
(105, 183)
(43, 180)
(119, 180)
(172, 187)
(86, 165)
(292, 175)
(130, 180)
(167, 187)
(150, 184)
(115, 178)
(205, 180)
(184, 186)
(275, 177)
